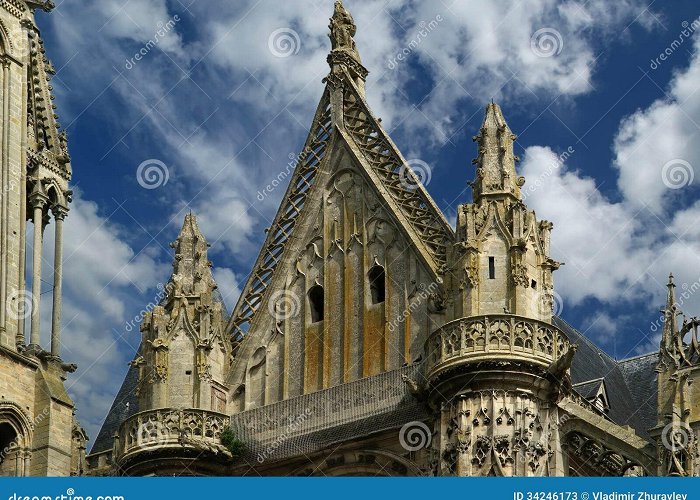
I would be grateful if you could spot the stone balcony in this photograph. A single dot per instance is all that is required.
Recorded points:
(167, 429)
(499, 337)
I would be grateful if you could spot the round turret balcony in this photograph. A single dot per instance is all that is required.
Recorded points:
(150, 439)
(493, 338)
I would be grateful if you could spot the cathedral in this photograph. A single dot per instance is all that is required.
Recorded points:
(371, 337)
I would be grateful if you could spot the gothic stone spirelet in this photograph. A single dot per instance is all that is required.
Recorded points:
(370, 339)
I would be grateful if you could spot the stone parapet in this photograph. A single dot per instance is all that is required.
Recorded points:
(161, 429)
(493, 338)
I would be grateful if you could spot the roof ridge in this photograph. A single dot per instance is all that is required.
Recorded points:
(638, 356)
(305, 169)
(403, 182)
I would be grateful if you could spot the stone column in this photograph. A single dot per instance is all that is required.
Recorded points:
(27, 463)
(4, 186)
(59, 213)
(37, 203)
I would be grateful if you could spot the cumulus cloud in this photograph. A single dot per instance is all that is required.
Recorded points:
(656, 149)
(105, 283)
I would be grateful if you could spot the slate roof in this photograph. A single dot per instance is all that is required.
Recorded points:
(641, 377)
(589, 389)
(125, 404)
(590, 363)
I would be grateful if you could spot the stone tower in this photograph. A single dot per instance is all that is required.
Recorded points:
(678, 418)
(36, 414)
(181, 363)
(496, 368)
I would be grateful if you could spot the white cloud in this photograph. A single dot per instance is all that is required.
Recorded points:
(665, 133)
(105, 283)
(622, 251)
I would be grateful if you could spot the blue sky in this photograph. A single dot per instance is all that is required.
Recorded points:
(212, 103)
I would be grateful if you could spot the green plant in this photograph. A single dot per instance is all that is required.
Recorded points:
(231, 442)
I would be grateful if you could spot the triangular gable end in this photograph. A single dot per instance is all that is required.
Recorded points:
(351, 253)
(344, 110)
(282, 227)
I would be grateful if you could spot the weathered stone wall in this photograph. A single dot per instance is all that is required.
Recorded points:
(342, 235)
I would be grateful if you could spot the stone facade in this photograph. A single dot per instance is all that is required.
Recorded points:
(38, 432)
(372, 338)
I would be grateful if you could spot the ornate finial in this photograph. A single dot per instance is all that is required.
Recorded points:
(670, 280)
(343, 30)
(344, 54)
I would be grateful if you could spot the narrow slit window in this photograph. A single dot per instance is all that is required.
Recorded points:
(492, 268)
(533, 284)
(316, 303)
(377, 284)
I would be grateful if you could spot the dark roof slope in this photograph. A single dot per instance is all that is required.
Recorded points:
(590, 363)
(125, 404)
(641, 377)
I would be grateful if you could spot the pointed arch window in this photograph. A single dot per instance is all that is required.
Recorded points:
(377, 284)
(316, 303)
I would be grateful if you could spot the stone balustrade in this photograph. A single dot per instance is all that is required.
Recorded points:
(493, 338)
(169, 428)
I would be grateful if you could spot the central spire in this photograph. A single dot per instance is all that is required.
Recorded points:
(344, 54)
(495, 173)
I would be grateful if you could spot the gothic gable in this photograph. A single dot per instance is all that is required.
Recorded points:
(350, 298)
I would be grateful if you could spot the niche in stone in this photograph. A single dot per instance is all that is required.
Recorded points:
(377, 284)
(316, 303)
